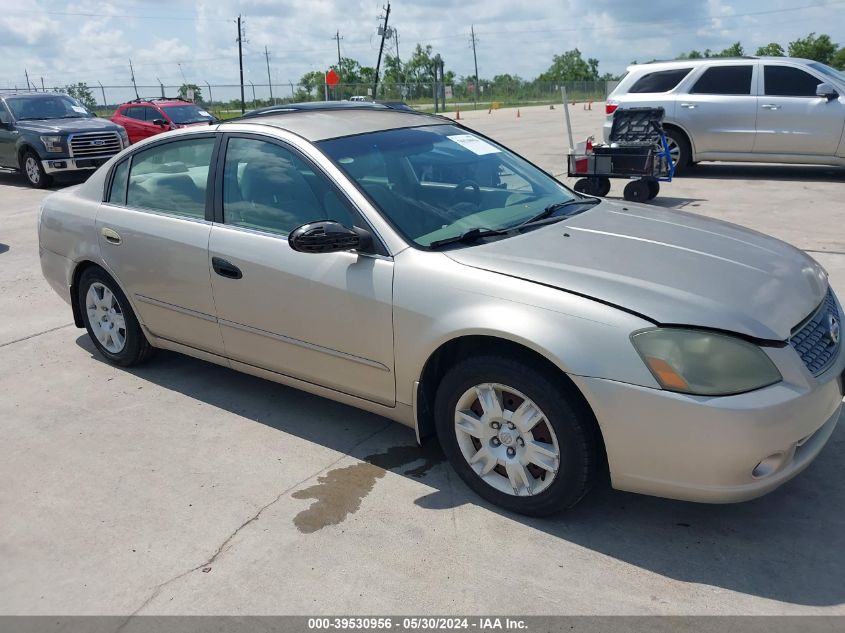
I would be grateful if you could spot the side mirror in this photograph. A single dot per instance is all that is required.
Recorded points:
(328, 236)
(826, 91)
(159, 122)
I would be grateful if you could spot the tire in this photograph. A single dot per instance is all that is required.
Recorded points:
(679, 140)
(585, 186)
(637, 191)
(653, 188)
(116, 333)
(563, 425)
(602, 186)
(33, 170)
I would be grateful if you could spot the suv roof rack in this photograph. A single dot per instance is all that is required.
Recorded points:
(697, 59)
(153, 99)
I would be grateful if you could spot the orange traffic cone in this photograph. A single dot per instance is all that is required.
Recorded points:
(458, 114)
(517, 113)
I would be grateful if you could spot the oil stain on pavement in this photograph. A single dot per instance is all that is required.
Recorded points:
(339, 492)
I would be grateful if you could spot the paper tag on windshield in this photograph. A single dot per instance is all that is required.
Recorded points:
(204, 113)
(474, 144)
(79, 109)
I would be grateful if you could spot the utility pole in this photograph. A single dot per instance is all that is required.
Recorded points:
(241, 63)
(337, 88)
(381, 48)
(132, 76)
(253, 92)
(269, 81)
(210, 96)
(103, 90)
(43, 89)
(475, 59)
(28, 88)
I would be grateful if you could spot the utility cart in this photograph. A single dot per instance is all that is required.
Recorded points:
(636, 150)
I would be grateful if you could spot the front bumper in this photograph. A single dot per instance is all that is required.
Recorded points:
(67, 165)
(706, 449)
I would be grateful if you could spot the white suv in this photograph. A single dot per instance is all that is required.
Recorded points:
(757, 109)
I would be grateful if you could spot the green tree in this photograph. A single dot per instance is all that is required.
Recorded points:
(571, 66)
(838, 60)
(734, 50)
(183, 92)
(82, 93)
(772, 49)
(310, 84)
(816, 47)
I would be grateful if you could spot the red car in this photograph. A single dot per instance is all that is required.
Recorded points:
(143, 118)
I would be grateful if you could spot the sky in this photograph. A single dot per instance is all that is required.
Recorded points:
(195, 40)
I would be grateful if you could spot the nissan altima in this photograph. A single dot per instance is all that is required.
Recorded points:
(406, 265)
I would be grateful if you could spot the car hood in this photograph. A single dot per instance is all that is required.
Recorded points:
(68, 126)
(671, 267)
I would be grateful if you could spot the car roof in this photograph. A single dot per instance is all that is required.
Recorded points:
(319, 122)
(37, 95)
(703, 61)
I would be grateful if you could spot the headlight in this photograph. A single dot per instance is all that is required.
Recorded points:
(52, 143)
(704, 363)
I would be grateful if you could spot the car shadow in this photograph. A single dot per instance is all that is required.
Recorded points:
(14, 179)
(757, 171)
(3, 248)
(788, 546)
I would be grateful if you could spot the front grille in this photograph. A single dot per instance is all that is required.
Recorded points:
(818, 339)
(94, 144)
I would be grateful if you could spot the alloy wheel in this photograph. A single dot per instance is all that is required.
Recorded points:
(32, 170)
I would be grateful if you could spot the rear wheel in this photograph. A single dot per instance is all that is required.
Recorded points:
(653, 188)
(585, 186)
(602, 186)
(109, 319)
(514, 436)
(33, 170)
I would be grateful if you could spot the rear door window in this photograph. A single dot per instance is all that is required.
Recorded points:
(786, 81)
(172, 177)
(117, 193)
(134, 113)
(661, 81)
(725, 80)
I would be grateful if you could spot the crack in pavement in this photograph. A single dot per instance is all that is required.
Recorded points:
(223, 546)
(26, 338)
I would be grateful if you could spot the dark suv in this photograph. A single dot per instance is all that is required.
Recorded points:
(46, 134)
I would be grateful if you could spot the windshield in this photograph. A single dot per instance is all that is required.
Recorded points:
(52, 107)
(830, 72)
(439, 181)
(187, 114)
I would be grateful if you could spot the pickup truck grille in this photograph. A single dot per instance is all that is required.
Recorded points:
(94, 144)
(819, 338)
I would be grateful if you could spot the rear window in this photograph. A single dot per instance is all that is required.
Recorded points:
(785, 81)
(724, 80)
(661, 81)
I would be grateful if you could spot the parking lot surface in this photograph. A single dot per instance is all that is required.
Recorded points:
(184, 487)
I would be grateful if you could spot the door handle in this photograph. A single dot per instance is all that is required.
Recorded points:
(770, 106)
(689, 106)
(111, 236)
(225, 269)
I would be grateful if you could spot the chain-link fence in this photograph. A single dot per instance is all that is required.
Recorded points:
(224, 100)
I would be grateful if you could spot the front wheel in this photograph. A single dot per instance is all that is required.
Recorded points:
(516, 435)
(109, 319)
(33, 171)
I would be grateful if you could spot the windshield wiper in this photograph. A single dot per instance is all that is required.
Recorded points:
(557, 206)
(470, 235)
